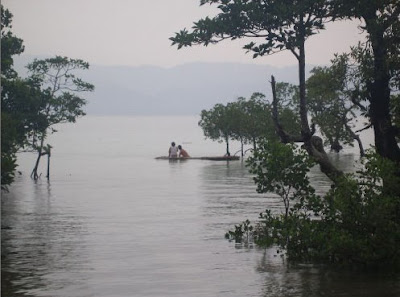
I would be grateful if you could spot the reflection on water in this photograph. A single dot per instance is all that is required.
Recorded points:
(124, 224)
(36, 239)
(230, 197)
(281, 279)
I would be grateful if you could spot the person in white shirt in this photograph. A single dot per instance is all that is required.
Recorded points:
(173, 151)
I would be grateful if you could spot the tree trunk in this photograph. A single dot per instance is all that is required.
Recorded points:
(384, 132)
(336, 146)
(48, 163)
(360, 145)
(305, 128)
(357, 138)
(282, 134)
(313, 145)
(34, 173)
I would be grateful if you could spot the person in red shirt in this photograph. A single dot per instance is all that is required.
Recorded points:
(182, 152)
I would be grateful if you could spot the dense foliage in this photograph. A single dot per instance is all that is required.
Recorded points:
(281, 169)
(356, 223)
(330, 104)
(251, 119)
(12, 116)
(216, 124)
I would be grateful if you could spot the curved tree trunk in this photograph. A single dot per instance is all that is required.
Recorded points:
(357, 138)
(316, 150)
(313, 144)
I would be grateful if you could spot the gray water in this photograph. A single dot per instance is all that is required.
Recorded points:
(113, 221)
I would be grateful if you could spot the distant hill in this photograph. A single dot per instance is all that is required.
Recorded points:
(182, 90)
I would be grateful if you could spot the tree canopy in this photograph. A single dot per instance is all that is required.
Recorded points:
(10, 45)
(248, 121)
(216, 124)
(60, 103)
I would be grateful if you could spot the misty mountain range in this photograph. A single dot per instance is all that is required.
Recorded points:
(182, 90)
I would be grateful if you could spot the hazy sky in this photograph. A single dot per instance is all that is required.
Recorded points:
(136, 32)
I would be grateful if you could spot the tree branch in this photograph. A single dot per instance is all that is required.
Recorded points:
(365, 128)
(283, 135)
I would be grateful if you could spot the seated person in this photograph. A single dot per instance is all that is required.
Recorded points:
(182, 152)
(173, 151)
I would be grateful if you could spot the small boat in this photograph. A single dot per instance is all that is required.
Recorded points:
(216, 158)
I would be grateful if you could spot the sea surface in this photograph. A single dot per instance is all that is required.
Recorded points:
(114, 221)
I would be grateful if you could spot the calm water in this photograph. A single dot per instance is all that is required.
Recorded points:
(113, 221)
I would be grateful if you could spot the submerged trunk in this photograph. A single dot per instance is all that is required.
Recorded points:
(227, 146)
(48, 162)
(34, 173)
(42, 150)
